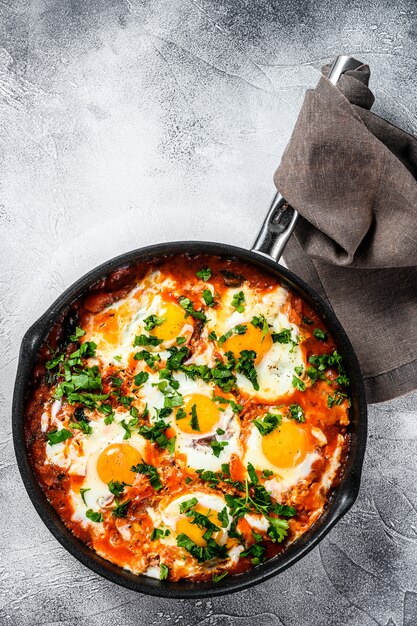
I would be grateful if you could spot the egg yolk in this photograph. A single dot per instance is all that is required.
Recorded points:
(195, 533)
(171, 328)
(115, 463)
(286, 446)
(206, 410)
(109, 322)
(252, 339)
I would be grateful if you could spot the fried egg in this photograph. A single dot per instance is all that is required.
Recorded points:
(207, 504)
(114, 329)
(95, 460)
(214, 421)
(289, 451)
(274, 362)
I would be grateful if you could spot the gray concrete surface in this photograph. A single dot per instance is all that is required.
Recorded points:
(124, 123)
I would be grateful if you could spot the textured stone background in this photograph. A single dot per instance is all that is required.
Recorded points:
(124, 123)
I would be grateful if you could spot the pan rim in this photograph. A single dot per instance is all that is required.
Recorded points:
(339, 503)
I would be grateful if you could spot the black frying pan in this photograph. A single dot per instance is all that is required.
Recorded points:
(267, 249)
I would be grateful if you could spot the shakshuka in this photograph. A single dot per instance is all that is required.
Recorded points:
(189, 417)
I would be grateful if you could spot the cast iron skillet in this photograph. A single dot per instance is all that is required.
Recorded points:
(267, 249)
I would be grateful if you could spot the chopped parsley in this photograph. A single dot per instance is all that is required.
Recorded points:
(260, 321)
(252, 474)
(153, 320)
(238, 301)
(151, 472)
(79, 332)
(163, 571)
(180, 414)
(336, 399)
(127, 427)
(246, 366)
(189, 309)
(320, 334)
(194, 419)
(298, 383)
(82, 494)
(222, 375)
(187, 505)
(176, 358)
(284, 336)
(94, 516)
(107, 410)
(120, 509)
(81, 385)
(146, 340)
(256, 552)
(116, 488)
(208, 297)
(223, 517)
(236, 408)
(159, 533)
(58, 436)
(217, 577)
(150, 359)
(141, 378)
(83, 426)
(319, 363)
(268, 423)
(217, 447)
(296, 413)
(202, 553)
(239, 329)
(278, 529)
(204, 274)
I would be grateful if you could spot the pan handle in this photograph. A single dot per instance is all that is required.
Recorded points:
(282, 218)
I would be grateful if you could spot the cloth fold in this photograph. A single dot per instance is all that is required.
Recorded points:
(352, 177)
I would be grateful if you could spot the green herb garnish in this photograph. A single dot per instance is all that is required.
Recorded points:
(151, 472)
(58, 436)
(189, 309)
(268, 423)
(152, 321)
(208, 297)
(204, 274)
(94, 516)
(320, 334)
(238, 301)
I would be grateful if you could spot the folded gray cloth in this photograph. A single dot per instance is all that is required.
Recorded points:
(352, 177)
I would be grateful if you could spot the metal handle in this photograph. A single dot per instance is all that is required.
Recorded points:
(282, 218)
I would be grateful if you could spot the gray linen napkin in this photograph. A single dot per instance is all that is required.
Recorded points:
(352, 176)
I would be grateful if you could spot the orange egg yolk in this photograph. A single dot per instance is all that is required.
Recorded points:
(252, 339)
(115, 463)
(206, 410)
(195, 533)
(174, 321)
(286, 446)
